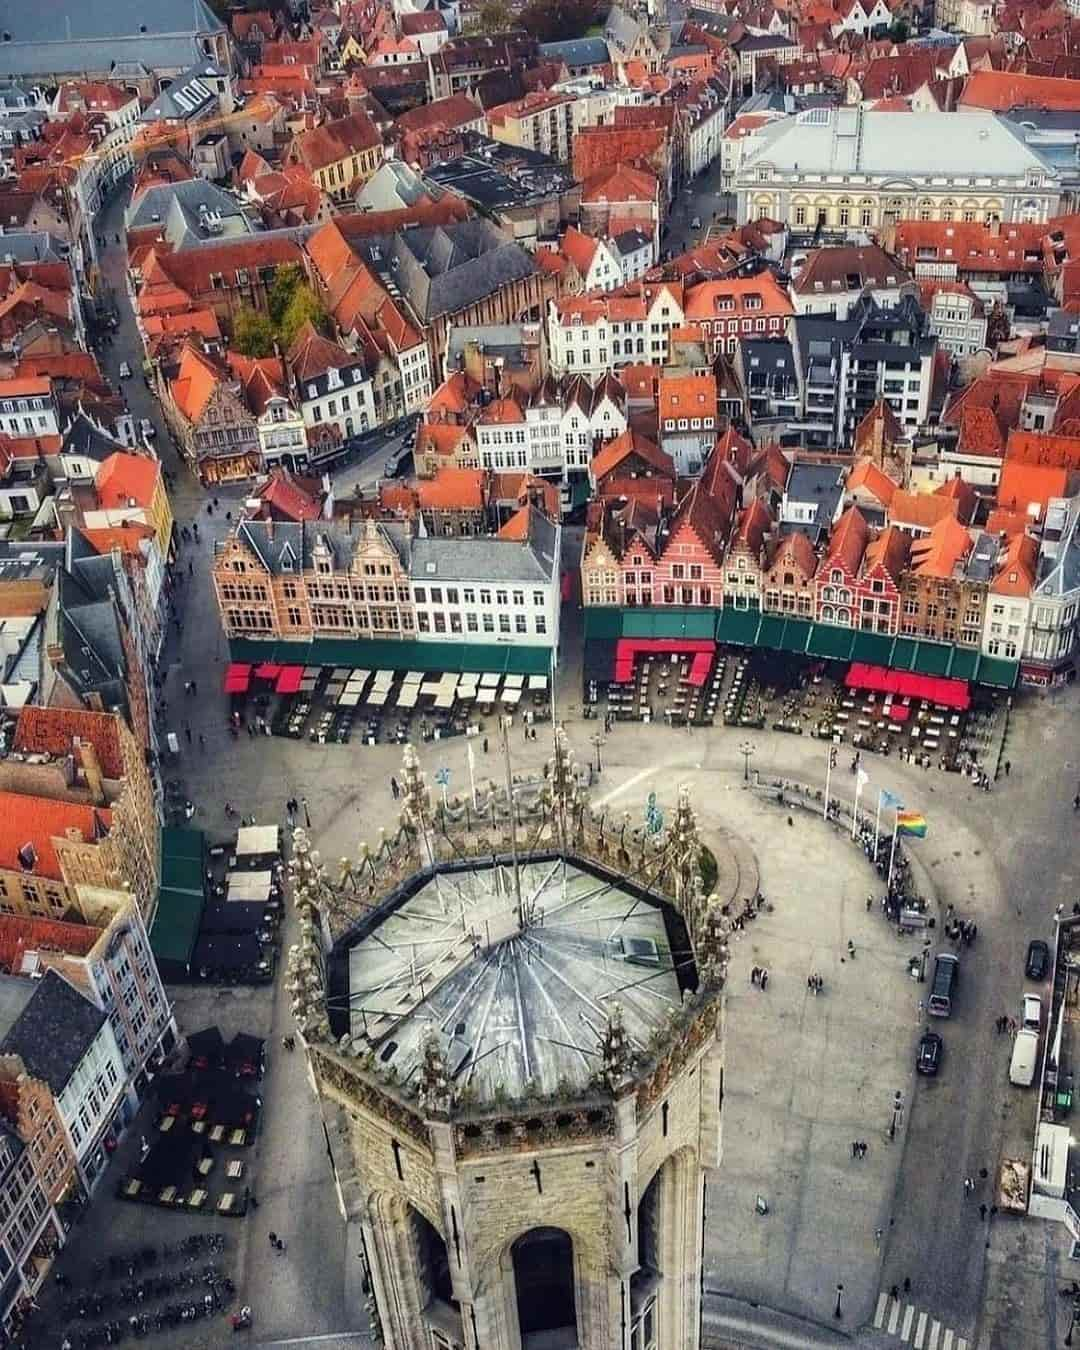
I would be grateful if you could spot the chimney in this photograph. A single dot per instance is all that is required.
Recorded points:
(54, 654)
(95, 780)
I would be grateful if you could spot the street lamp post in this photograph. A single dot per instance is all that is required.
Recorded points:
(897, 1112)
(838, 1311)
(597, 741)
(746, 750)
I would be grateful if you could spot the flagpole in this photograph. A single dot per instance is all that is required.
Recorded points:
(855, 808)
(892, 851)
(877, 822)
(472, 775)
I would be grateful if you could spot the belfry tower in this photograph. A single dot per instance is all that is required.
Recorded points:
(529, 1061)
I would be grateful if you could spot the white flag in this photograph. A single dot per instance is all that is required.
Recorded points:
(862, 778)
(472, 758)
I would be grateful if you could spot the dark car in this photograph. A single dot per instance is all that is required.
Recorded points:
(1038, 960)
(931, 1047)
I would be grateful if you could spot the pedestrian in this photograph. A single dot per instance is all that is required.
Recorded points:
(764, 979)
(1076, 802)
(187, 732)
(486, 750)
(307, 815)
(894, 1293)
(754, 973)
(969, 1185)
(983, 1173)
(851, 949)
(194, 688)
(281, 1245)
(202, 741)
(907, 1284)
(854, 1148)
(1008, 766)
(982, 1213)
(879, 1233)
(863, 1146)
(273, 1239)
(394, 787)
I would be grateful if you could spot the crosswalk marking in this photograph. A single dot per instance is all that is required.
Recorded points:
(913, 1327)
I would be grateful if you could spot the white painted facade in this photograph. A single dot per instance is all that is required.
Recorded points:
(524, 613)
(90, 1100)
(593, 348)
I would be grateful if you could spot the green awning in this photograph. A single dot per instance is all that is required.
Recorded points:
(668, 622)
(182, 874)
(795, 636)
(874, 649)
(391, 654)
(995, 671)
(178, 842)
(964, 663)
(932, 658)
(175, 928)
(831, 642)
(903, 654)
(738, 626)
(603, 622)
(770, 631)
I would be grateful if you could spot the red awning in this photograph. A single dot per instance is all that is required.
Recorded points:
(267, 671)
(288, 681)
(949, 693)
(699, 669)
(237, 679)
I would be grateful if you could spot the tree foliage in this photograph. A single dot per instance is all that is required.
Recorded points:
(253, 333)
(557, 20)
(494, 16)
(287, 279)
(304, 306)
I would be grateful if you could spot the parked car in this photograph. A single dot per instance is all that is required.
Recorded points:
(125, 371)
(695, 224)
(1038, 960)
(928, 1058)
(149, 431)
(1032, 1012)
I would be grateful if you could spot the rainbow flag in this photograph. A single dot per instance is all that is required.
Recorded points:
(911, 822)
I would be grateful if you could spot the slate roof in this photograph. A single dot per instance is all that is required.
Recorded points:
(187, 95)
(88, 440)
(445, 269)
(70, 39)
(586, 51)
(472, 559)
(54, 1031)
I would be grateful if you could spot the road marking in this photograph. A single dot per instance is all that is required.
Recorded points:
(632, 781)
(909, 1317)
(879, 1316)
(946, 1344)
(920, 1331)
(894, 1317)
(935, 1332)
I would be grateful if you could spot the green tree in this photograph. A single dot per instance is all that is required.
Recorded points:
(494, 16)
(253, 333)
(304, 305)
(556, 20)
(282, 289)
(900, 31)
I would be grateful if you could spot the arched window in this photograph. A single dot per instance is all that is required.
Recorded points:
(926, 209)
(970, 210)
(866, 212)
(799, 208)
(827, 614)
(843, 212)
(992, 212)
(544, 1281)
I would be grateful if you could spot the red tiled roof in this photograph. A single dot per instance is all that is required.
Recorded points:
(335, 141)
(921, 509)
(848, 540)
(452, 489)
(616, 451)
(126, 538)
(873, 480)
(1024, 486)
(888, 551)
(122, 479)
(937, 553)
(53, 731)
(619, 183)
(1032, 447)
(19, 935)
(288, 499)
(998, 91)
(34, 822)
(1016, 572)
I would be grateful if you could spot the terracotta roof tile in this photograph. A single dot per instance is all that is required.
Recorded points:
(28, 826)
(1017, 569)
(888, 551)
(848, 540)
(452, 489)
(1029, 487)
(870, 478)
(936, 554)
(998, 91)
(19, 935)
(610, 456)
(54, 731)
(122, 479)
(921, 509)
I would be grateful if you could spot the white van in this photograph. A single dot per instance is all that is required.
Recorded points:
(1032, 1012)
(1025, 1056)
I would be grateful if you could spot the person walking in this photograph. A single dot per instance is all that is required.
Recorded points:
(1008, 767)
(394, 787)
(187, 731)
(273, 1239)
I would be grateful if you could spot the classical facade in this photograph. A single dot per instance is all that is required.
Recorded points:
(531, 1175)
(849, 169)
